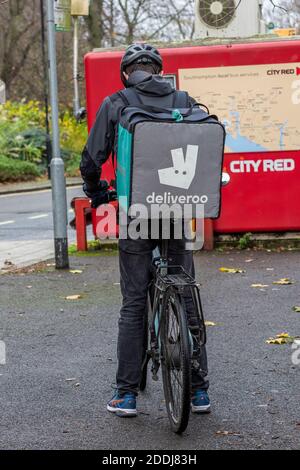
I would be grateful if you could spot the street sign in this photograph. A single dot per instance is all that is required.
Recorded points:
(62, 15)
(80, 7)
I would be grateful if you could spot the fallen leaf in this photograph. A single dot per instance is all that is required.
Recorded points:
(72, 379)
(296, 309)
(231, 270)
(249, 260)
(77, 384)
(73, 297)
(29, 287)
(284, 282)
(75, 271)
(282, 338)
(259, 286)
(276, 341)
(210, 323)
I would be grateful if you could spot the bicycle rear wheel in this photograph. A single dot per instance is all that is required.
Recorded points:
(176, 360)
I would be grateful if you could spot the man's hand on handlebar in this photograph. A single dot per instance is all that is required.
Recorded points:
(101, 194)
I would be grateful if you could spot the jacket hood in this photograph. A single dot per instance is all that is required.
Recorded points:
(148, 84)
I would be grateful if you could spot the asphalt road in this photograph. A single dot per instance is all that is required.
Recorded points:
(28, 216)
(61, 359)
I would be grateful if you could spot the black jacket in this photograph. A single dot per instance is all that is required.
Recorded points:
(152, 90)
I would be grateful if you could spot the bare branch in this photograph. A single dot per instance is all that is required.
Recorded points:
(278, 6)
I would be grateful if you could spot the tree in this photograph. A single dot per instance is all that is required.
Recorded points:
(111, 23)
(285, 13)
(18, 34)
(118, 22)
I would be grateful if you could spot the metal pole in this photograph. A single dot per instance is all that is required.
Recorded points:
(45, 89)
(59, 198)
(76, 104)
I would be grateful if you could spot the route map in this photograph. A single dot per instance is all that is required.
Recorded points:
(258, 104)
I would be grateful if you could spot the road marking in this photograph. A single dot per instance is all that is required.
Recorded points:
(30, 193)
(40, 216)
(7, 222)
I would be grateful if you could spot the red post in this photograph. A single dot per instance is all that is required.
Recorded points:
(81, 204)
(208, 235)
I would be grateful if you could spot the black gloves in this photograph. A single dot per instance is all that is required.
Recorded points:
(100, 194)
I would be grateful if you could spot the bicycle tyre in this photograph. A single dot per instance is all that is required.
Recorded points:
(179, 359)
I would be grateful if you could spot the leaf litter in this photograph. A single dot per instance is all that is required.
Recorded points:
(232, 270)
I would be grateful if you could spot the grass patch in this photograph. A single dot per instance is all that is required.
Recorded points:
(95, 248)
(245, 241)
(250, 242)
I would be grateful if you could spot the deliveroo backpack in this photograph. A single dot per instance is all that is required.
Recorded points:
(168, 155)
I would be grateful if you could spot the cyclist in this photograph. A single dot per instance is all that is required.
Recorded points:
(141, 68)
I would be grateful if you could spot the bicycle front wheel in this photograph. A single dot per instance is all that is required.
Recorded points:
(176, 360)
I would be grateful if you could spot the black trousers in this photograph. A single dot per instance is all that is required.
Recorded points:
(135, 271)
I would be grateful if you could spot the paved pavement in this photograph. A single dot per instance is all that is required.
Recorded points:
(61, 359)
(26, 226)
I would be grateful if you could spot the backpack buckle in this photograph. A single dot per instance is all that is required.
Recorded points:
(176, 114)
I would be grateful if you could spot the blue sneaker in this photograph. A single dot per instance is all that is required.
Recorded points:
(124, 406)
(200, 402)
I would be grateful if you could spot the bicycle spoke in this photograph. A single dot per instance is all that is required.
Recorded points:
(176, 360)
(174, 353)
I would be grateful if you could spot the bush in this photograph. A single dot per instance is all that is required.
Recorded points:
(15, 170)
(24, 114)
(73, 136)
(23, 138)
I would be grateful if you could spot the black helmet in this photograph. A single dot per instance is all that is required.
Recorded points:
(140, 53)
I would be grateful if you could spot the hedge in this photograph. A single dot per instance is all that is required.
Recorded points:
(16, 170)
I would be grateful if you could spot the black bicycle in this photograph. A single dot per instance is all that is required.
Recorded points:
(172, 339)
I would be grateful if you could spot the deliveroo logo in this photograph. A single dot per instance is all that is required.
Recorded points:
(182, 173)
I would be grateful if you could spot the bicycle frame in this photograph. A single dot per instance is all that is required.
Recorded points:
(181, 282)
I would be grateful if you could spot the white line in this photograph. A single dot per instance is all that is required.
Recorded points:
(7, 222)
(30, 193)
(41, 216)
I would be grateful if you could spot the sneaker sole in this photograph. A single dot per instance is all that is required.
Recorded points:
(201, 409)
(122, 413)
